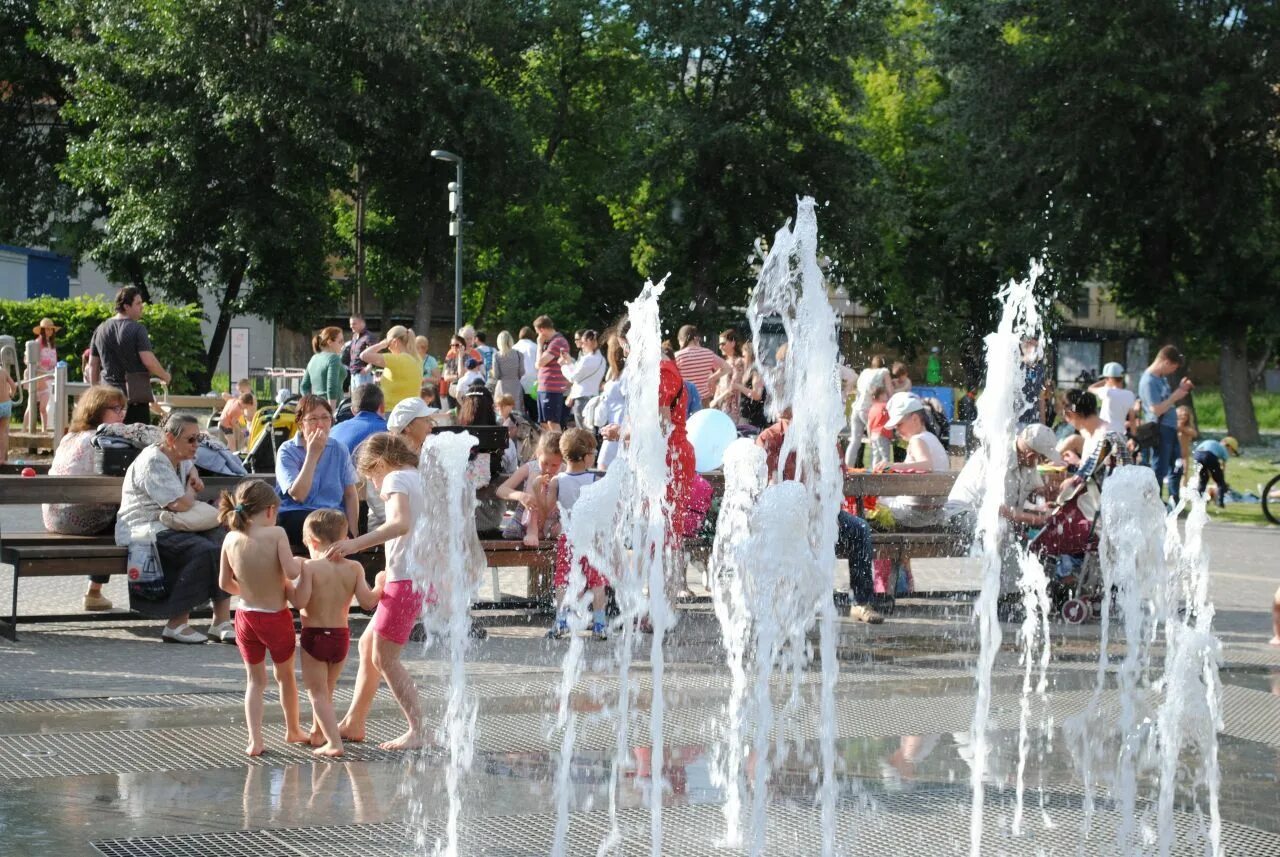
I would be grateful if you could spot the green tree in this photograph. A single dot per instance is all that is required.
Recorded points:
(1132, 141)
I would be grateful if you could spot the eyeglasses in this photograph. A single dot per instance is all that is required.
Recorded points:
(191, 439)
(119, 409)
(323, 418)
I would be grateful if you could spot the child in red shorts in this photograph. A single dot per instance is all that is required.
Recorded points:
(388, 462)
(329, 585)
(578, 447)
(258, 566)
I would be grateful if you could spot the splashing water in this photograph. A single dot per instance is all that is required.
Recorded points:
(744, 479)
(791, 286)
(998, 411)
(447, 553)
(1190, 712)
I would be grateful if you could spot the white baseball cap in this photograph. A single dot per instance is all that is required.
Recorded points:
(406, 411)
(1041, 440)
(900, 405)
(1113, 370)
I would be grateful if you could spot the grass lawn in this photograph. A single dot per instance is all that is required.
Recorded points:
(1245, 474)
(1209, 414)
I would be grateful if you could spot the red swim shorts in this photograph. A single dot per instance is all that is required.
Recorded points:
(398, 611)
(564, 556)
(326, 644)
(258, 632)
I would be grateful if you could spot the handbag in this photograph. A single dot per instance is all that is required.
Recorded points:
(1147, 435)
(200, 517)
(137, 386)
(146, 577)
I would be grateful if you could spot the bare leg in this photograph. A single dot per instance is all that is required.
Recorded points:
(315, 676)
(386, 656)
(257, 685)
(4, 440)
(181, 619)
(288, 684)
(533, 532)
(221, 611)
(598, 598)
(367, 679)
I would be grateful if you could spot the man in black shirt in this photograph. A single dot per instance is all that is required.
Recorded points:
(120, 349)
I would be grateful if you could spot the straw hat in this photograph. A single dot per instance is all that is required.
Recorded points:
(46, 323)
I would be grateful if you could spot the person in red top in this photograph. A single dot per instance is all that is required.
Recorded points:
(700, 366)
(853, 539)
(674, 404)
(880, 438)
(552, 385)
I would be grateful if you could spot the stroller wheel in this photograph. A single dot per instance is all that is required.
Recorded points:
(1076, 610)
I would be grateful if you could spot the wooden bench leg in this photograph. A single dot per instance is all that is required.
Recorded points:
(497, 589)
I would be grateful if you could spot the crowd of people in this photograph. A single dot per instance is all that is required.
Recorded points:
(346, 486)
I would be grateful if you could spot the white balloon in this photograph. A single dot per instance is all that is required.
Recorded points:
(710, 433)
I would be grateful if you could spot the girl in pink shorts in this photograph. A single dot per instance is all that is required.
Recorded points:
(388, 462)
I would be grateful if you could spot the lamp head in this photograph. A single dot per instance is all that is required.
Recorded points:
(442, 155)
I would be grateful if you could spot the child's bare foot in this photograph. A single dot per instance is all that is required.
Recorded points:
(531, 540)
(328, 750)
(350, 732)
(298, 737)
(1275, 641)
(317, 737)
(255, 748)
(408, 741)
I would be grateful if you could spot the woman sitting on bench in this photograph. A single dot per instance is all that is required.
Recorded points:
(101, 404)
(163, 479)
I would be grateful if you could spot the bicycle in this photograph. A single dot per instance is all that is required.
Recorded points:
(1271, 498)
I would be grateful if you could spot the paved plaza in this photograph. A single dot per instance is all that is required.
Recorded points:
(111, 743)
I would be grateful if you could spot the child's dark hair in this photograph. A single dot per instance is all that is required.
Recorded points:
(1082, 403)
(549, 442)
(325, 526)
(576, 444)
(248, 399)
(251, 497)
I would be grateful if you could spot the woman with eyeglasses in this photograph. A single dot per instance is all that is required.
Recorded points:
(100, 404)
(162, 479)
(314, 471)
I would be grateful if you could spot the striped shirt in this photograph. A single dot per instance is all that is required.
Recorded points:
(551, 377)
(697, 364)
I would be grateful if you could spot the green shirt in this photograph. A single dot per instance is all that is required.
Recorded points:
(324, 376)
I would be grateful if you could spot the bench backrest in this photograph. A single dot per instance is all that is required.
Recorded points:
(20, 491)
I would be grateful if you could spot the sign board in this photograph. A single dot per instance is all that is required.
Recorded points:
(237, 356)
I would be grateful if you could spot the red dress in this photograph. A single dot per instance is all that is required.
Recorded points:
(680, 462)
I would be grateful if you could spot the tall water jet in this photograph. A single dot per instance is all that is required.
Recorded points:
(447, 550)
(791, 287)
(998, 409)
(744, 479)
(1190, 712)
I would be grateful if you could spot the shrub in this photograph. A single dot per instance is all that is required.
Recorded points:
(175, 332)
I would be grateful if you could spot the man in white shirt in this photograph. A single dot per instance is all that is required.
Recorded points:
(1115, 403)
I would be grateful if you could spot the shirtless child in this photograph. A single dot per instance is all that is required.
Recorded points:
(329, 585)
(257, 565)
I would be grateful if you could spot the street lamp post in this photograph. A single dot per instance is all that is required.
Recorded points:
(455, 229)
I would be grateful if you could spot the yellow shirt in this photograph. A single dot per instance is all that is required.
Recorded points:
(401, 379)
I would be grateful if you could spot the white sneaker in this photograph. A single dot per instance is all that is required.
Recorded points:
(224, 632)
(182, 634)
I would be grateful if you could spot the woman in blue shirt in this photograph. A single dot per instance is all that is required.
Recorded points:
(314, 471)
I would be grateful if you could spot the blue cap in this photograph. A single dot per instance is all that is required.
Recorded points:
(1113, 370)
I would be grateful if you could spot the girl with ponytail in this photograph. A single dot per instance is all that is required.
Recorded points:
(325, 371)
(258, 566)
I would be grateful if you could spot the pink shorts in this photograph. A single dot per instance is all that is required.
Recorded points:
(398, 611)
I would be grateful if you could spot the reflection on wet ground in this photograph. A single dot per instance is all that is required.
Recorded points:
(97, 770)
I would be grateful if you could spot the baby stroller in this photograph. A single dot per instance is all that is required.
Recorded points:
(270, 427)
(1075, 592)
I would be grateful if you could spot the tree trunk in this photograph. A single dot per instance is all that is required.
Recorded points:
(137, 278)
(423, 307)
(1237, 403)
(221, 326)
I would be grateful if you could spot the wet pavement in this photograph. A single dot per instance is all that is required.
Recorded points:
(111, 743)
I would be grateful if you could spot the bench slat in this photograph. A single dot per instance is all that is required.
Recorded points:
(19, 491)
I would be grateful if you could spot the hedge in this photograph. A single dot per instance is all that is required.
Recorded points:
(175, 332)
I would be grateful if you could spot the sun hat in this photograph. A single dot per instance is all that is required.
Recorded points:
(1041, 440)
(406, 411)
(1231, 444)
(900, 405)
(1113, 370)
(44, 324)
